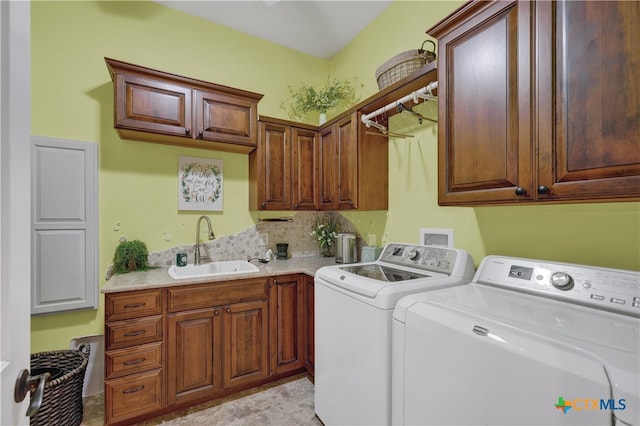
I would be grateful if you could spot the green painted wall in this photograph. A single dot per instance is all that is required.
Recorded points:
(72, 98)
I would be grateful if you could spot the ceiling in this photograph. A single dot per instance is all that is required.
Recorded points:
(319, 28)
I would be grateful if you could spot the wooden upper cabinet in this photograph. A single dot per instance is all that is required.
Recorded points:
(484, 138)
(305, 169)
(346, 133)
(155, 106)
(283, 171)
(273, 166)
(543, 114)
(328, 169)
(589, 101)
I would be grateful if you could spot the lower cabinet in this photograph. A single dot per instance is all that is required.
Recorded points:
(183, 345)
(245, 343)
(194, 356)
(287, 333)
(309, 324)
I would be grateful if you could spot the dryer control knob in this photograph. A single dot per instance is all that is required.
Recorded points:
(414, 254)
(562, 281)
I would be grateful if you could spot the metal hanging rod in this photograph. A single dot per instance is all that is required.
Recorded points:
(424, 93)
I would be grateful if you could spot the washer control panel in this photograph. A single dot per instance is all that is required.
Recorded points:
(611, 289)
(427, 258)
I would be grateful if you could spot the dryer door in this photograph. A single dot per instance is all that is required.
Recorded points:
(463, 369)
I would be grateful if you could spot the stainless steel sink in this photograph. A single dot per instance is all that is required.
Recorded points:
(212, 269)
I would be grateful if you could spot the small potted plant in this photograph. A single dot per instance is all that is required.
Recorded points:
(306, 98)
(324, 233)
(131, 256)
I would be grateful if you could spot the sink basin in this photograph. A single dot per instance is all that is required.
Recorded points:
(213, 269)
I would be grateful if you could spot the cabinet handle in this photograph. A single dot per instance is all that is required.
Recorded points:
(543, 189)
(135, 305)
(228, 311)
(134, 333)
(133, 390)
(216, 313)
(520, 191)
(200, 135)
(135, 361)
(187, 132)
(295, 206)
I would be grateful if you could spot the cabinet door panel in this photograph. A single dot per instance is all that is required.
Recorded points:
(286, 303)
(191, 340)
(305, 169)
(245, 343)
(591, 150)
(153, 105)
(347, 179)
(225, 118)
(309, 324)
(484, 90)
(328, 169)
(275, 177)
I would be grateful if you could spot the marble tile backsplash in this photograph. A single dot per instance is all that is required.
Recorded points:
(255, 241)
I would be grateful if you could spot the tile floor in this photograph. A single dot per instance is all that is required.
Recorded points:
(285, 402)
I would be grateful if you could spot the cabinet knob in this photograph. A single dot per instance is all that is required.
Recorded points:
(543, 189)
(275, 281)
(187, 131)
(295, 206)
(351, 203)
(216, 313)
(228, 311)
(200, 135)
(520, 191)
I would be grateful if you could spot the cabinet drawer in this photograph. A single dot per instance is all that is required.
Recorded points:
(134, 332)
(132, 396)
(133, 360)
(134, 304)
(214, 294)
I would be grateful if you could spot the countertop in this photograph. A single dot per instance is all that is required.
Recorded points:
(158, 278)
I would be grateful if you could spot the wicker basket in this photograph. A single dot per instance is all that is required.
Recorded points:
(404, 64)
(62, 400)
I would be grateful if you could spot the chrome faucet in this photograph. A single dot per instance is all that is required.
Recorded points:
(198, 259)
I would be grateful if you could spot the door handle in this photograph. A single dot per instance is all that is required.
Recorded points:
(25, 383)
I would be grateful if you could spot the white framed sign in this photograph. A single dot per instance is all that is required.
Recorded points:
(440, 237)
(200, 182)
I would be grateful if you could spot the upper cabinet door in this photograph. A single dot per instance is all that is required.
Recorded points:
(305, 169)
(589, 99)
(346, 131)
(227, 118)
(328, 167)
(152, 105)
(274, 180)
(484, 141)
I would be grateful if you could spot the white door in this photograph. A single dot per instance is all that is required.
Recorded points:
(14, 205)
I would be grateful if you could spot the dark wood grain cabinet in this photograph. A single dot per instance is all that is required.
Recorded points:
(171, 348)
(287, 321)
(535, 103)
(283, 172)
(336, 167)
(309, 322)
(155, 106)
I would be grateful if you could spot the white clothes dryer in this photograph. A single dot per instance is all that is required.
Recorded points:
(353, 313)
(528, 342)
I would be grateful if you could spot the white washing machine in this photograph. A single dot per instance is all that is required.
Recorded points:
(527, 342)
(353, 314)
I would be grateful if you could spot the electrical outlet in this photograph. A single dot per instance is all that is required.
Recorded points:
(372, 239)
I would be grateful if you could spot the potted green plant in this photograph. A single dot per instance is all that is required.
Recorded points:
(307, 98)
(131, 256)
(324, 233)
